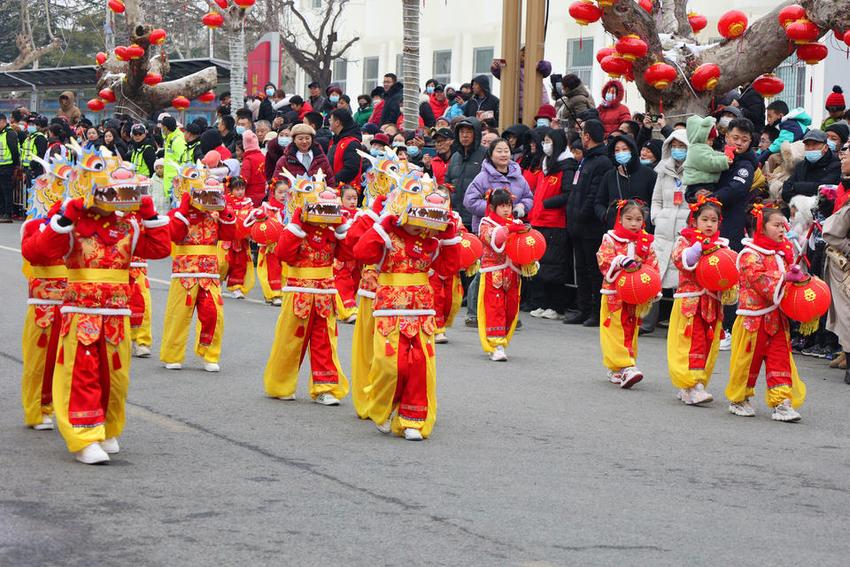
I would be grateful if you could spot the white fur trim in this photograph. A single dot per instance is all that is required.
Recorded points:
(685, 262)
(615, 268)
(137, 232)
(33, 301)
(138, 264)
(494, 268)
(342, 230)
(757, 312)
(386, 237)
(313, 290)
(95, 310)
(685, 294)
(191, 275)
(608, 292)
(368, 213)
(296, 230)
(615, 237)
(451, 241)
(159, 221)
(364, 293)
(54, 224)
(222, 221)
(402, 312)
(748, 243)
(178, 215)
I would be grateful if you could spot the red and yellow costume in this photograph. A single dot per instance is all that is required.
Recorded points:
(761, 333)
(140, 303)
(620, 322)
(448, 291)
(347, 278)
(235, 264)
(269, 267)
(499, 286)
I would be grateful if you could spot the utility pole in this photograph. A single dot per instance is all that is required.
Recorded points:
(535, 36)
(509, 82)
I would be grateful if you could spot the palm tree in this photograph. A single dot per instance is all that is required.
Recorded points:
(410, 63)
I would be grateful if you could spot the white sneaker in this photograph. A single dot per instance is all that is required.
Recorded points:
(286, 398)
(351, 319)
(326, 399)
(538, 312)
(412, 434)
(173, 365)
(385, 427)
(726, 341)
(45, 425)
(110, 445)
(277, 302)
(92, 455)
(499, 355)
(440, 338)
(631, 376)
(141, 351)
(784, 412)
(685, 395)
(552, 315)
(615, 377)
(743, 409)
(699, 395)
(212, 367)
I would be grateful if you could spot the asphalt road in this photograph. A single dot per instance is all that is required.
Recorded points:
(535, 462)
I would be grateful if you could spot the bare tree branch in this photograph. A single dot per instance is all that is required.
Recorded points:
(291, 5)
(345, 47)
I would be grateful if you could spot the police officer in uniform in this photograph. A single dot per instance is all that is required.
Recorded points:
(10, 161)
(142, 150)
(34, 145)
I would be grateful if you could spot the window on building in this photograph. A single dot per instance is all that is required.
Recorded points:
(482, 58)
(399, 66)
(339, 73)
(442, 70)
(370, 74)
(793, 74)
(315, 4)
(580, 59)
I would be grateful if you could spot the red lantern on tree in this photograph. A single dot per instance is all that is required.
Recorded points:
(768, 85)
(802, 31)
(95, 105)
(207, 97)
(245, 4)
(631, 47)
(157, 36)
(705, 77)
(717, 270)
(152, 79)
(812, 53)
(732, 24)
(471, 250)
(121, 53)
(660, 75)
(213, 20)
(647, 5)
(116, 6)
(615, 65)
(806, 302)
(100, 57)
(790, 14)
(266, 231)
(585, 12)
(638, 286)
(135, 51)
(524, 249)
(697, 21)
(180, 102)
(222, 4)
(846, 37)
(107, 94)
(604, 52)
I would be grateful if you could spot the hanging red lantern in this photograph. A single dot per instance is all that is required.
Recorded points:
(96, 105)
(630, 74)
(121, 53)
(639, 285)
(806, 302)
(152, 79)
(660, 75)
(697, 21)
(802, 31)
(717, 269)
(790, 14)
(647, 5)
(732, 24)
(116, 6)
(631, 47)
(135, 51)
(604, 52)
(705, 77)
(244, 4)
(180, 102)
(222, 4)
(100, 57)
(107, 94)
(266, 231)
(812, 53)
(524, 249)
(845, 37)
(585, 12)
(471, 250)
(768, 85)
(207, 97)
(615, 65)
(157, 36)
(213, 20)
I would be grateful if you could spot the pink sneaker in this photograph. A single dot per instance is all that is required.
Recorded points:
(631, 376)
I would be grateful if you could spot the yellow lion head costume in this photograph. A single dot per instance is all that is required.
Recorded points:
(48, 188)
(103, 180)
(319, 203)
(205, 190)
(417, 202)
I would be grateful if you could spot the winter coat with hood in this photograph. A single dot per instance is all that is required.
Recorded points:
(668, 217)
(581, 218)
(253, 166)
(520, 132)
(613, 113)
(350, 166)
(574, 102)
(637, 182)
(790, 155)
(703, 165)
(68, 107)
(733, 190)
(752, 107)
(792, 127)
(808, 176)
(475, 200)
(391, 108)
(486, 103)
(464, 165)
(290, 161)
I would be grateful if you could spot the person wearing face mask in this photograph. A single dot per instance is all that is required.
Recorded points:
(650, 153)
(628, 180)
(267, 110)
(544, 117)
(820, 167)
(364, 110)
(334, 93)
(837, 135)
(346, 162)
(612, 112)
(437, 100)
(274, 150)
(35, 144)
(724, 119)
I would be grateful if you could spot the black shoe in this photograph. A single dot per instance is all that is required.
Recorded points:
(642, 331)
(5, 219)
(814, 350)
(847, 375)
(797, 344)
(591, 322)
(575, 318)
(518, 326)
(470, 322)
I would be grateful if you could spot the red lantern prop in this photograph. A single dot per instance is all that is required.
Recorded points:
(790, 14)
(222, 4)
(806, 302)
(213, 20)
(802, 31)
(638, 286)
(846, 37)
(121, 53)
(106, 94)
(631, 47)
(732, 24)
(116, 6)
(768, 85)
(135, 51)
(660, 75)
(244, 4)
(585, 12)
(615, 65)
(152, 79)
(266, 231)
(717, 270)
(207, 97)
(697, 21)
(605, 52)
(812, 53)
(95, 105)
(524, 249)
(647, 5)
(471, 250)
(157, 36)
(100, 57)
(705, 77)
(180, 102)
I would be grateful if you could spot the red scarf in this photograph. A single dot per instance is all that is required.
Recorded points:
(693, 235)
(275, 203)
(784, 247)
(641, 238)
(501, 221)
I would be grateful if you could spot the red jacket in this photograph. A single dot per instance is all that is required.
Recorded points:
(615, 112)
(305, 108)
(377, 111)
(437, 107)
(254, 172)
(439, 167)
(546, 187)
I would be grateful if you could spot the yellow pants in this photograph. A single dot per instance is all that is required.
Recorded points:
(752, 348)
(618, 336)
(291, 339)
(79, 384)
(36, 351)
(361, 355)
(690, 355)
(180, 306)
(344, 312)
(498, 313)
(224, 270)
(142, 334)
(263, 274)
(457, 299)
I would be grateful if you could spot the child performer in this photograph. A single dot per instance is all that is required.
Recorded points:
(346, 274)
(235, 265)
(402, 379)
(448, 290)
(268, 264)
(627, 246)
(697, 317)
(761, 333)
(140, 308)
(499, 285)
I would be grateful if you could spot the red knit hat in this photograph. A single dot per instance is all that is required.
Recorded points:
(545, 111)
(836, 98)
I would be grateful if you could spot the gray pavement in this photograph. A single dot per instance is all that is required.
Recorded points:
(535, 462)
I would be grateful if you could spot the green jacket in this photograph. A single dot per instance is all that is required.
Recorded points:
(703, 165)
(175, 146)
(363, 115)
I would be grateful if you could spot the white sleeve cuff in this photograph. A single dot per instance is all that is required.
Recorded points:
(615, 269)
(296, 230)
(380, 230)
(54, 224)
(368, 213)
(159, 221)
(222, 221)
(179, 216)
(451, 241)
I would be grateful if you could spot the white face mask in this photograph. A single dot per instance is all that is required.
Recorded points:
(724, 122)
(547, 148)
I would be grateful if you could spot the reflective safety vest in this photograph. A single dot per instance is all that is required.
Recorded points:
(29, 148)
(138, 159)
(5, 151)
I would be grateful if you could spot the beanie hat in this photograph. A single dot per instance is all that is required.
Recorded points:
(841, 129)
(302, 129)
(655, 147)
(595, 130)
(212, 158)
(835, 98)
(250, 141)
(545, 111)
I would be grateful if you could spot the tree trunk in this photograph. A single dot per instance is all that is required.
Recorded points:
(236, 45)
(410, 64)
